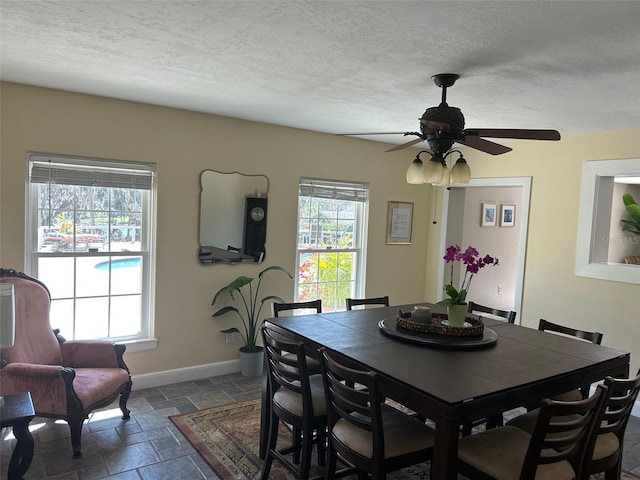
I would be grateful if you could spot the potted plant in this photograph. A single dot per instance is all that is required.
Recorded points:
(633, 209)
(251, 355)
(456, 304)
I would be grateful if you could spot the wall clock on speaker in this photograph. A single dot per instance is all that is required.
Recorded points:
(255, 227)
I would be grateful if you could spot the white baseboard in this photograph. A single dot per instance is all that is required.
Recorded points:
(186, 374)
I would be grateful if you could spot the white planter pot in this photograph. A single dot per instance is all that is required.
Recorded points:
(251, 363)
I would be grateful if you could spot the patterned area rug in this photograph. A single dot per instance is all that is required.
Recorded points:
(227, 438)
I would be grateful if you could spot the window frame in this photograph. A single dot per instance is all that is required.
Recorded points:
(143, 340)
(360, 225)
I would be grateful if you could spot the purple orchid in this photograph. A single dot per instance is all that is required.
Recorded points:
(474, 262)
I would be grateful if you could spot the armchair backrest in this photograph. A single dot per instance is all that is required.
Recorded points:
(35, 341)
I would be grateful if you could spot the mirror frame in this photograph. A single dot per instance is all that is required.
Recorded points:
(595, 217)
(257, 190)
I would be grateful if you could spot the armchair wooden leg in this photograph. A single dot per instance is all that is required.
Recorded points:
(124, 398)
(75, 425)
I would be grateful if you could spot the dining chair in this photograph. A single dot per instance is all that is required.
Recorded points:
(510, 315)
(297, 399)
(369, 435)
(354, 302)
(554, 449)
(593, 337)
(313, 365)
(276, 308)
(604, 452)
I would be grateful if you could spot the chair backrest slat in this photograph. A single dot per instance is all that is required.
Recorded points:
(316, 305)
(593, 337)
(354, 302)
(509, 315)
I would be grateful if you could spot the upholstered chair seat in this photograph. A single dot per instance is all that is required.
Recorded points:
(514, 443)
(66, 379)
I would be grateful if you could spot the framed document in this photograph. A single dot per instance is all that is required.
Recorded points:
(399, 221)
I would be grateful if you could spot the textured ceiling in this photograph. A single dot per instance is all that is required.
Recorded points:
(339, 67)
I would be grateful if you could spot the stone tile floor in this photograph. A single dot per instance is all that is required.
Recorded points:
(149, 447)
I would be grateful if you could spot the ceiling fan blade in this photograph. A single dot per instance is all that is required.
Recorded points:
(369, 133)
(524, 134)
(483, 145)
(440, 126)
(405, 145)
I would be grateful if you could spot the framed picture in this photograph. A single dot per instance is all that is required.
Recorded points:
(399, 221)
(507, 215)
(489, 214)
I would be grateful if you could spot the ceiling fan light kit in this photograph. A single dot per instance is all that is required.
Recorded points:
(442, 126)
(433, 170)
(461, 172)
(415, 172)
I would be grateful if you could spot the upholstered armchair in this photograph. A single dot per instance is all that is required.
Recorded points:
(67, 379)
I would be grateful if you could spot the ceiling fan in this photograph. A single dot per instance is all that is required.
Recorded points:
(442, 126)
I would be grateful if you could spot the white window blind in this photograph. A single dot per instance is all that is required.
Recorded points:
(70, 171)
(354, 192)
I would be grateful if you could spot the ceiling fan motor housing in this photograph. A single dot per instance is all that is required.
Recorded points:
(439, 141)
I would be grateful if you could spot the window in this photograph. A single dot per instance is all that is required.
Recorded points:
(332, 226)
(602, 242)
(90, 229)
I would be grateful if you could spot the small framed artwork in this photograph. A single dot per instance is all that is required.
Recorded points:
(489, 214)
(399, 221)
(507, 215)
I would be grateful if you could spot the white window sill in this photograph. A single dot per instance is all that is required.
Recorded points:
(140, 345)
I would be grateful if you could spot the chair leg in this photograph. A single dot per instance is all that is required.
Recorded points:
(615, 472)
(332, 458)
(307, 451)
(321, 445)
(265, 418)
(495, 421)
(124, 398)
(270, 446)
(297, 444)
(75, 425)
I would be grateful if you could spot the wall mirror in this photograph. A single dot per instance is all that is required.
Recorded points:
(604, 249)
(233, 217)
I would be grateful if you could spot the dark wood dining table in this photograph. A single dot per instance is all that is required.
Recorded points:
(452, 385)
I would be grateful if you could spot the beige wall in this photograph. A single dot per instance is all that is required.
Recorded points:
(184, 143)
(551, 289)
(501, 242)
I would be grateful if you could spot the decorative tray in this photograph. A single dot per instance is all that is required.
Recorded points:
(389, 326)
(437, 324)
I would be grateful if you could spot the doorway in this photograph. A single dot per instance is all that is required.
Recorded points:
(462, 208)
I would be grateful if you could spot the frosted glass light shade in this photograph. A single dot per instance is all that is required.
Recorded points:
(445, 178)
(433, 171)
(7, 315)
(461, 173)
(415, 172)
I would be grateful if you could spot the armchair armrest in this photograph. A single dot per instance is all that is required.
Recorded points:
(32, 370)
(48, 384)
(89, 354)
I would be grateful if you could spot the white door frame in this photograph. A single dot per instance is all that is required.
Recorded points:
(525, 183)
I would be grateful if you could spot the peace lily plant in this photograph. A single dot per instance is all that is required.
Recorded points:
(474, 262)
